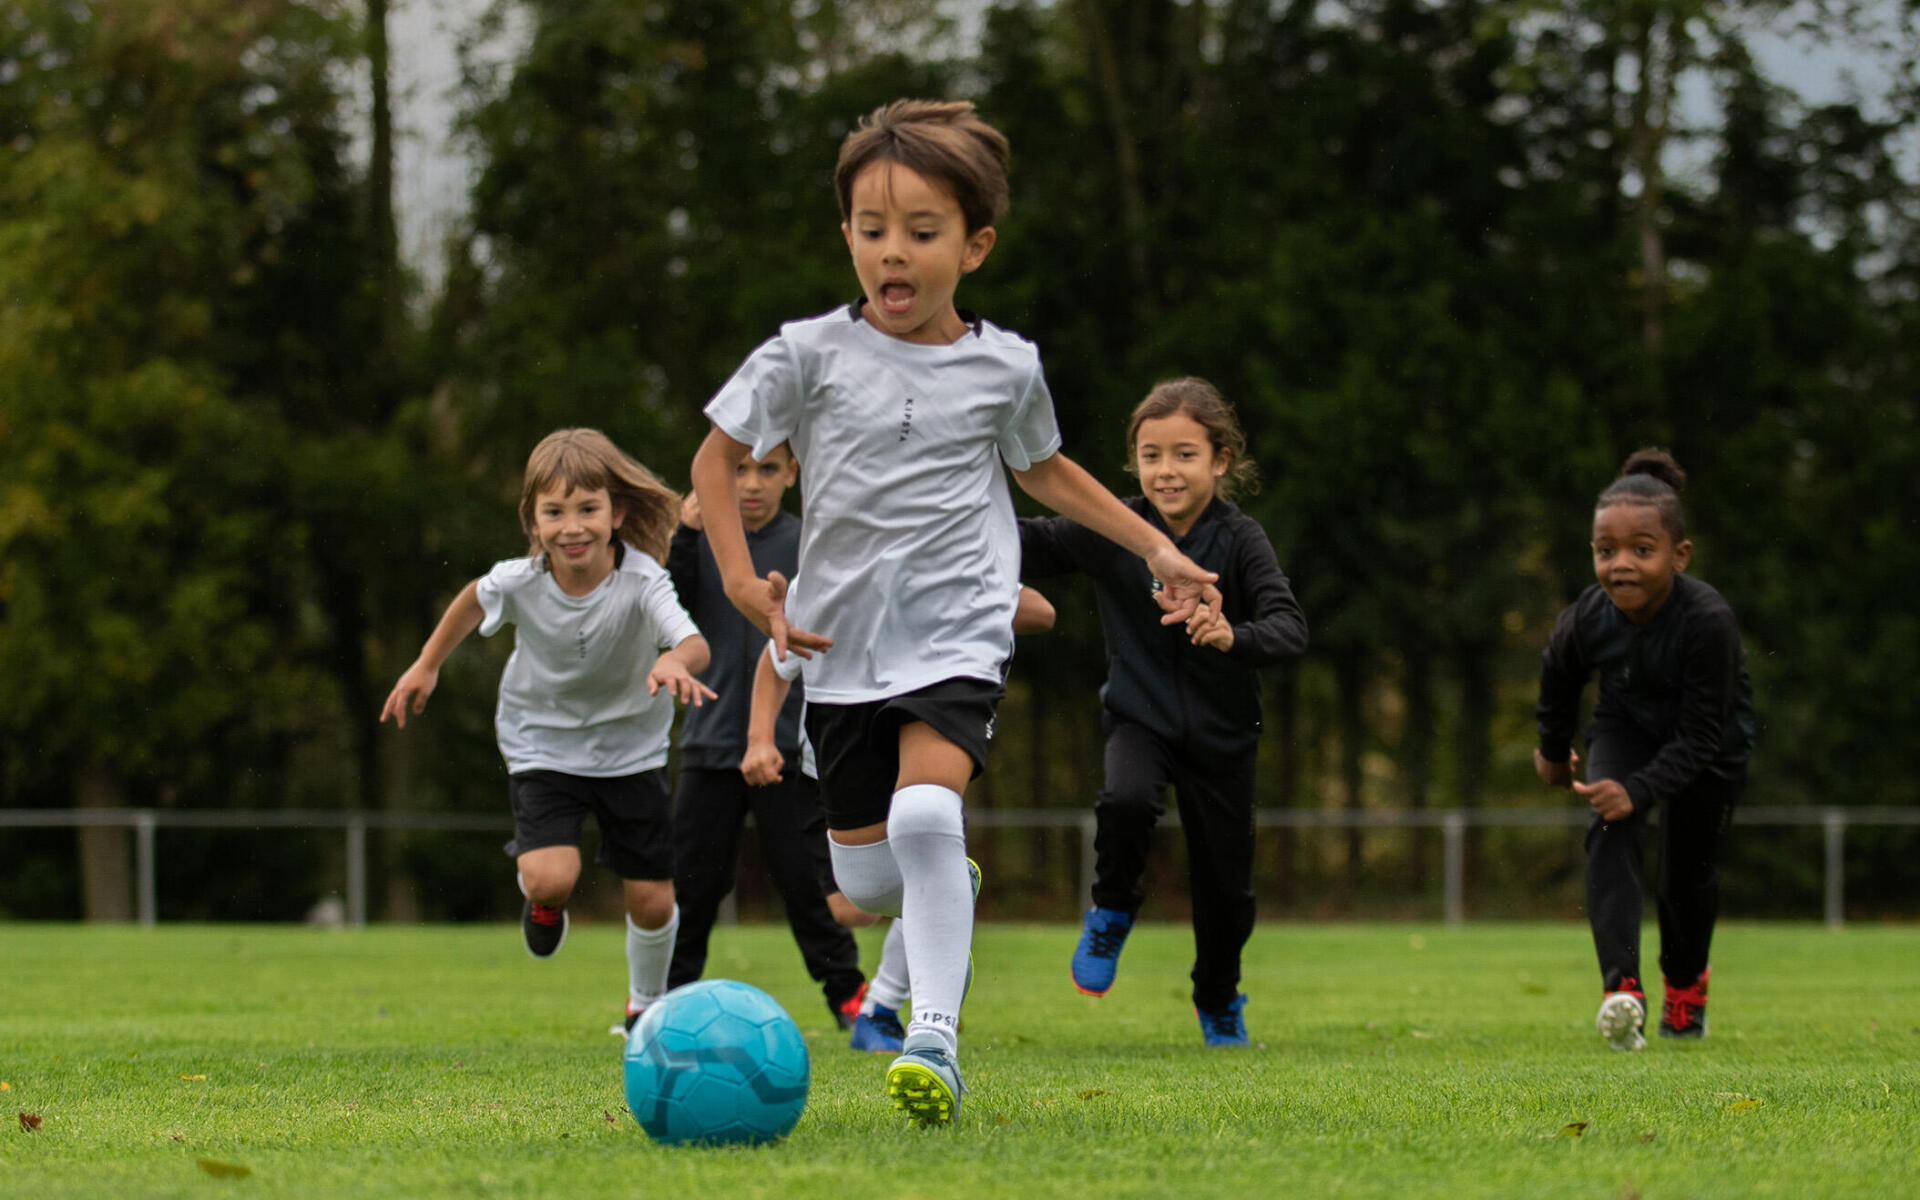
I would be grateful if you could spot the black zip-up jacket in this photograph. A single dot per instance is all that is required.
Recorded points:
(714, 735)
(1196, 697)
(1678, 682)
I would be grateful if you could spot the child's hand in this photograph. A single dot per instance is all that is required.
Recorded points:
(1609, 798)
(1182, 583)
(764, 602)
(672, 674)
(690, 511)
(761, 766)
(410, 694)
(1208, 626)
(1556, 774)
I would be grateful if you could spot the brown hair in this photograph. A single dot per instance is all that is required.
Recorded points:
(570, 460)
(942, 140)
(1203, 402)
(1650, 476)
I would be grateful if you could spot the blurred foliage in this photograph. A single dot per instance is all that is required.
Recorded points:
(1427, 248)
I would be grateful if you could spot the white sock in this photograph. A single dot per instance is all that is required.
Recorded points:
(889, 986)
(867, 875)
(930, 844)
(649, 954)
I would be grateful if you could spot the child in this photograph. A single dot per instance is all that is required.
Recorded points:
(1673, 727)
(1180, 710)
(903, 410)
(876, 1026)
(601, 650)
(712, 799)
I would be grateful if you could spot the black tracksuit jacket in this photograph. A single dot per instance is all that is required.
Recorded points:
(1678, 683)
(1195, 697)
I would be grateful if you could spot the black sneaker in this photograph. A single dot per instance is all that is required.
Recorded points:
(847, 1011)
(544, 928)
(1684, 1014)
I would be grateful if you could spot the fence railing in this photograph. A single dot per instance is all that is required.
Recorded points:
(1452, 822)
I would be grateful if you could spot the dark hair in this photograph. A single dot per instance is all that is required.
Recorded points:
(1203, 402)
(1650, 476)
(942, 140)
(569, 460)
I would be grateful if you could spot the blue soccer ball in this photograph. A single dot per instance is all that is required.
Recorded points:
(717, 1062)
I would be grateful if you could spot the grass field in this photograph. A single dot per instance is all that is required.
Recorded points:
(1392, 1060)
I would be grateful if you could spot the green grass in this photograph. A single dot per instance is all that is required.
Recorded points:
(1392, 1060)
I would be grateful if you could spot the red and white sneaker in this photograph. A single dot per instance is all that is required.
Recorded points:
(621, 1029)
(847, 1011)
(1684, 1013)
(1622, 1015)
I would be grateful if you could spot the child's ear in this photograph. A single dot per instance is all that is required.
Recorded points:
(619, 513)
(979, 242)
(1683, 554)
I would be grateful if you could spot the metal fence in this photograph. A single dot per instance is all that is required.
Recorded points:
(1452, 822)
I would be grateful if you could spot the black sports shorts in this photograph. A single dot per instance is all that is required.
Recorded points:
(857, 746)
(633, 812)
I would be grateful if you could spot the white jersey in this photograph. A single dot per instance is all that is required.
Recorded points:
(909, 555)
(789, 669)
(574, 695)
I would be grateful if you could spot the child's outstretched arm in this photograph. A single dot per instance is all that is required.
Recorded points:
(1064, 486)
(762, 763)
(1033, 613)
(763, 601)
(675, 669)
(462, 617)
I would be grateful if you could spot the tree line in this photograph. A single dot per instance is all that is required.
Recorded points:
(1451, 259)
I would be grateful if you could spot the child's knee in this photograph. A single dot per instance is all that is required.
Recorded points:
(925, 810)
(650, 902)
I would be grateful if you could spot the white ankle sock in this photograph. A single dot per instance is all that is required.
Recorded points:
(930, 844)
(649, 954)
(867, 875)
(890, 983)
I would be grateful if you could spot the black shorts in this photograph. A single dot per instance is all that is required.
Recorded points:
(633, 812)
(857, 746)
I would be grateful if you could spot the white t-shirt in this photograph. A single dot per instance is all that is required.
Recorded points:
(909, 555)
(574, 695)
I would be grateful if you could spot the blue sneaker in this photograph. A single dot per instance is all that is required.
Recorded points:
(1226, 1027)
(878, 1031)
(1102, 932)
(924, 1082)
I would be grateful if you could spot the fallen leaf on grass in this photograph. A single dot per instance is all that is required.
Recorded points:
(5, 1086)
(30, 1122)
(609, 1116)
(223, 1170)
(193, 1076)
(1002, 1119)
(1647, 1136)
(1574, 1129)
(178, 1138)
(1747, 1103)
(1090, 1093)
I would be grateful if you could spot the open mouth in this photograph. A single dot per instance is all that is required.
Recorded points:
(896, 297)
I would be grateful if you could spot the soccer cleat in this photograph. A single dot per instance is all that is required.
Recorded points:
(924, 1082)
(1684, 1012)
(1102, 932)
(543, 927)
(973, 878)
(1226, 1027)
(623, 1028)
(1622, 1015)
(878, 1031)
(847, 1011)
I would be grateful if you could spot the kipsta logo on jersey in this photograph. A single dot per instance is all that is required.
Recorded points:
(906, 419)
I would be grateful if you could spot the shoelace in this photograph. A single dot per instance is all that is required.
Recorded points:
(1681, 1005)
(1105, 942)
(1226, 1024)
(547, 915)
